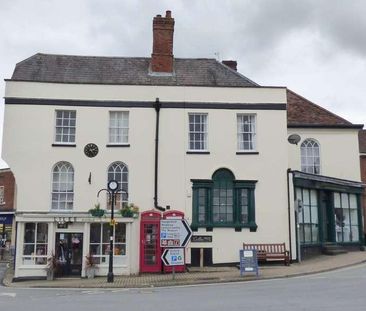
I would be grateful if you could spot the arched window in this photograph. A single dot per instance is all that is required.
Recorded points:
(310, 156)
(118, 171)
(63, 186)
(222, 205)
(223, 201)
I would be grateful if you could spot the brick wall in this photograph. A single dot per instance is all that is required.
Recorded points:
(8, 182)
(162, 55)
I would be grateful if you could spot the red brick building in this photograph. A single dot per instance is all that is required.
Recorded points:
(7, 191)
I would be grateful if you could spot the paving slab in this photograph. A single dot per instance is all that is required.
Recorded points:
(196, 276)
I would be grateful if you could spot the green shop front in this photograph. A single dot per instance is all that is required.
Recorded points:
(329, 213)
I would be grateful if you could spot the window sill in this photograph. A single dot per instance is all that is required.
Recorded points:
(63, 145)
(252, 226)
(197, 152)
(118, 145)
(247, 152)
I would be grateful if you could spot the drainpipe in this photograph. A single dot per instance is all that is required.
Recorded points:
(157, 106)
(289, 212)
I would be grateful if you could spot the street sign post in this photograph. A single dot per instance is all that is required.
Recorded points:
(173, 256)
(174, 233)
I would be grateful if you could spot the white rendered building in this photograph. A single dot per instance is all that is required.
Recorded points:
(192, 135)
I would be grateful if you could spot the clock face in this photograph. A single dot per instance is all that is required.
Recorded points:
(91, 150)
(113, 185)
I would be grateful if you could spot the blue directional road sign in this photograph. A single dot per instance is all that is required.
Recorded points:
(173, 257)
(174, 233)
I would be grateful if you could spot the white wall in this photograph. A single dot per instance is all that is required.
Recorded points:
(145, 93)
(28, 138)
(339, 155)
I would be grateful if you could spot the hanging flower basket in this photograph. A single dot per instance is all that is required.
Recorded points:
(130, 210)
(97, 211)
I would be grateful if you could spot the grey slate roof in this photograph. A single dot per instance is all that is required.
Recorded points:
(126, 71)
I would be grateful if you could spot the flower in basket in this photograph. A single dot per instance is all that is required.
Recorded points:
(130, 210)
(97, 211)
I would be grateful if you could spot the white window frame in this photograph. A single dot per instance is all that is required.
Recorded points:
(103, 258)
(204, 132)
(242, 132)
(307, 154)
(58, 187)
(34, 258)
(118, 133)
(65, 127)
(114, 170)
(2, 195)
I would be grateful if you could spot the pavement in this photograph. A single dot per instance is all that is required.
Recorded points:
(321, 263)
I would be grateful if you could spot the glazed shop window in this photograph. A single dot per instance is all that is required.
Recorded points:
(99, 241)
(346, 217)
(308, 216)
(223, 201)
(35, 243)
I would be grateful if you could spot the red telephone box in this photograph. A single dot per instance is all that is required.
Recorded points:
(150, 250)
(174, 215)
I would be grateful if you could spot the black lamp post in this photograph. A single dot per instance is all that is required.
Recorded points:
(112, 190)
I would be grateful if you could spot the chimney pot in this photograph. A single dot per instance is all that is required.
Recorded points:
(168, 14)
(231, 63)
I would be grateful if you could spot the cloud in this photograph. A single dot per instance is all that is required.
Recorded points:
(316, 47)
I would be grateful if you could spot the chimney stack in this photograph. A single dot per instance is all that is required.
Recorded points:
(231, 63)
(162, 55)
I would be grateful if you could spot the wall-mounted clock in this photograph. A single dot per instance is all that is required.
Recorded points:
(91, 150)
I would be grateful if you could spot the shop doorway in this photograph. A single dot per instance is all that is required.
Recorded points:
(69, 253)
(327, 216)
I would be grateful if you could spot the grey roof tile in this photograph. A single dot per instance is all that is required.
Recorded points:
(126, 71)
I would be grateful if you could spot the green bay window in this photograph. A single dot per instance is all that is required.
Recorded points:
(223, 201)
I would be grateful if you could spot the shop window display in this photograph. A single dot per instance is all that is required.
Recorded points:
(99, 241)
(35, 243)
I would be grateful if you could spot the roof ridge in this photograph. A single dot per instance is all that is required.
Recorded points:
(237, 73)
(127, 57)
(89, 56)
(320, 107)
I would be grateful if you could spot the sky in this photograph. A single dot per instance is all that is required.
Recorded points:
(317, 48)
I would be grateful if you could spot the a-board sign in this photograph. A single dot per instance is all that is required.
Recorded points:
(248, 261)
(173, 257)
(201, 238)
(174, 233)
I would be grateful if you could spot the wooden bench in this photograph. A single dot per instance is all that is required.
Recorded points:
(270, 252)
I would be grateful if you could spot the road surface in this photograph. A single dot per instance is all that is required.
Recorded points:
(334, 291)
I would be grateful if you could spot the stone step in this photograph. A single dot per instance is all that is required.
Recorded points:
(332, 249)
